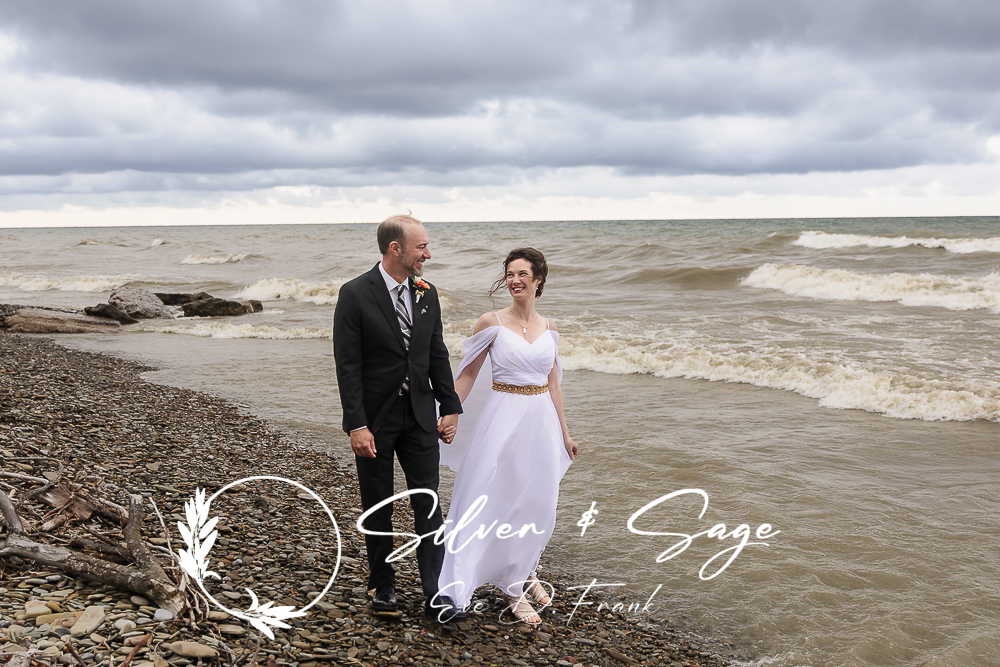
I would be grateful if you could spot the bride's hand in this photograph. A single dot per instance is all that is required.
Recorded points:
(571, 447)
(446, 427)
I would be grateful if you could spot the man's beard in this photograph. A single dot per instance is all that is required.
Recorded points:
(414, 270)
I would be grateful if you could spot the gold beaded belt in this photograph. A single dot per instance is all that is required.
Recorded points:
(527, 390)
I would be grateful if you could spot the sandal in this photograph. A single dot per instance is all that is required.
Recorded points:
(535, 591)
(523, 611)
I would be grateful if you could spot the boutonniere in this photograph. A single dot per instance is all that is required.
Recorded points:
(420, 288)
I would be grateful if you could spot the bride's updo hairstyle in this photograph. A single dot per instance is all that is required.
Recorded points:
(539, 268)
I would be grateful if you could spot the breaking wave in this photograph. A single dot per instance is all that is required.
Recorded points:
(274, 289)
(835, 384)
(64, 283)
(908, 289)
(216, 259)
(227, 330)
(823, 241)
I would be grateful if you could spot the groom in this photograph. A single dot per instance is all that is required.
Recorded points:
(391, 366)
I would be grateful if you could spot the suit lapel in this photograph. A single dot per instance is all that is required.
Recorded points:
(381, 295)
(418, 306)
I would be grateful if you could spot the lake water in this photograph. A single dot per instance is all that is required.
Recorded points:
(836, 379)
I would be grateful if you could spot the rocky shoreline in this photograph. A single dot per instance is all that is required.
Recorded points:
(117, 435)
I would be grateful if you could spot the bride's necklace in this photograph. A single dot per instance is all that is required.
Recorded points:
(524, 329)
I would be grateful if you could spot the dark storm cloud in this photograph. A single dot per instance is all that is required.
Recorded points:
(413, 91)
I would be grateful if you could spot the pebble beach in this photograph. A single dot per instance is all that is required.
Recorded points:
(117, 434)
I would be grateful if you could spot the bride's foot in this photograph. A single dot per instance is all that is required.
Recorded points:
(535, 591)
(523, 611)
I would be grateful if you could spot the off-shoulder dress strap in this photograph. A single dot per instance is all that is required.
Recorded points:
(498, 318)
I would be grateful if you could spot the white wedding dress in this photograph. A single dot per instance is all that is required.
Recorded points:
(508, 447)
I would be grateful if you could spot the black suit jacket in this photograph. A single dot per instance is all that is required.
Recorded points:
(372, 361)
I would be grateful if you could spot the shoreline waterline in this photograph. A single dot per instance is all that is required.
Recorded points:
(49, 360)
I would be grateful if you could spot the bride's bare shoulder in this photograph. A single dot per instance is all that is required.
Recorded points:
(552, 324)
(486, 321)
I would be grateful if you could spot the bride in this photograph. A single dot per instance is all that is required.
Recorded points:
(511, 445)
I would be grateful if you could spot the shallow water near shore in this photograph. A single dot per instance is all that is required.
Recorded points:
(834, 379)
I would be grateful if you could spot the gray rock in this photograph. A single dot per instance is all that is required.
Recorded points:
(181, 299)
(110, 312)
(139, 303)
(163, 615)
(124, 625)
(192, 649)
(139, 601)
(220, 308)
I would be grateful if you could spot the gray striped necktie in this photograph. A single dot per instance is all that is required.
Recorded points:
(404, 325)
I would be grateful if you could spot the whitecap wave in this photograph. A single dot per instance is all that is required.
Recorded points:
(274, 289)
(156, 242)
(824, 241)
(215, 259)
(921, 289)
(64, 283)
(835, 383)
(229, 330)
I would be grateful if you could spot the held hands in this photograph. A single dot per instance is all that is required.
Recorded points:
(571, 447)
(363, 443)
(447, 426)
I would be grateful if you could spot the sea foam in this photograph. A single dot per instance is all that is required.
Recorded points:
(64, 283)
(823, 241)
(834, 383)
(922, 289)
(273, 289)
(227, 330)
(215, 259)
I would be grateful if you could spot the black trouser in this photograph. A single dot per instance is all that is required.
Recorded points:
(419, 457)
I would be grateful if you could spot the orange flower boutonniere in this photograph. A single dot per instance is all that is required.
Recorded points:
(420, 288)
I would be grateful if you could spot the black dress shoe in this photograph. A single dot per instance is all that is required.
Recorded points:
(385, 599)
(443, 609)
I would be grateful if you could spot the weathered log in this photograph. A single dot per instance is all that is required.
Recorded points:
(82, 504)
(100, 547)
(146, 578)
(10, 514)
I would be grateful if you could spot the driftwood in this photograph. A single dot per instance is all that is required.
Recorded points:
(81, 504)
(10, 515)
(146, 577)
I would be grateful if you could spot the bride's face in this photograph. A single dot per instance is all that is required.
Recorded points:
(520, 282)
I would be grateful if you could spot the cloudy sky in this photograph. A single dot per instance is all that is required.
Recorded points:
(323, 111)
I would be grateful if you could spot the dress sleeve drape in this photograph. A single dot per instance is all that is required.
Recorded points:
(452, 455)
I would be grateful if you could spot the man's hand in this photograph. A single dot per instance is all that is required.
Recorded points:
(447, 426)
(363, 443)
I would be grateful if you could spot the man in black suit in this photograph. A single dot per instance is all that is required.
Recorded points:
(392, 364)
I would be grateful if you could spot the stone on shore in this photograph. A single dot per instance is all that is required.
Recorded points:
(139, 303)
(110, 312)
(51, 320)
(220, 308)
(92, 618)
(36, 608)
(193, 650)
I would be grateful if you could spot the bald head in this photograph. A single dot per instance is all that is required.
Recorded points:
(394, 229)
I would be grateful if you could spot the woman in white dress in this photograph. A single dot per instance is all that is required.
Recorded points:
(512, 446)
